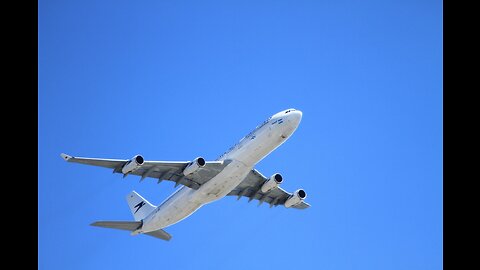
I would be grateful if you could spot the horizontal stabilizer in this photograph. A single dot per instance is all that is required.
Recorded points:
(160, 234)
(120, 225)
(131, 226)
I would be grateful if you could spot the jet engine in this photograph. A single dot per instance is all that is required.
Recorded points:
(272, 183)
(194, 166)
(297, 197)
(132, 164)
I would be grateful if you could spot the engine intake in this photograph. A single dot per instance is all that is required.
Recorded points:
(133, 164)
(297, 197)
(193, 166)
(272, 183)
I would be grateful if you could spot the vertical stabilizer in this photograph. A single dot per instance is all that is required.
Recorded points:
(140, 207)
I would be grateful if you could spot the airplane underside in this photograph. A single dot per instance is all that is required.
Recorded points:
(232, 174)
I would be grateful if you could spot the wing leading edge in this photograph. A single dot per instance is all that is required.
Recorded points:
(160, 170)
(173, 171)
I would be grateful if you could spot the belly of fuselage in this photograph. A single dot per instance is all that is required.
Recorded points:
(186, 201)
(222, 183)
(171, 211)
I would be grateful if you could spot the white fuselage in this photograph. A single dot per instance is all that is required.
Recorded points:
(243, 156)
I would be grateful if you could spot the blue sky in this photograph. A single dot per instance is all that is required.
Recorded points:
(173, 80)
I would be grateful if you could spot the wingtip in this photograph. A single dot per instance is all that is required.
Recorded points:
(307, 205)
(97, 223)
(65, 156)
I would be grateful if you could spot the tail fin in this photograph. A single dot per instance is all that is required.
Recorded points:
(140, 207)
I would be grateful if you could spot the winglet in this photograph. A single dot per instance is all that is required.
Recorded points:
(65, 156)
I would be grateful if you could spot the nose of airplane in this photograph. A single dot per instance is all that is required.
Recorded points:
(295, 117)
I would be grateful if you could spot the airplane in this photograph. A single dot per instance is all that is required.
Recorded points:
(231, 174)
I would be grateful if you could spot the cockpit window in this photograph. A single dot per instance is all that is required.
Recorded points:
(291, 110)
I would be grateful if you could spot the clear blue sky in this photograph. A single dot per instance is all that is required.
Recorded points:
(173, 80)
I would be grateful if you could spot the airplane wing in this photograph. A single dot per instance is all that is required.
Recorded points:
(250, 187)
(161, 170)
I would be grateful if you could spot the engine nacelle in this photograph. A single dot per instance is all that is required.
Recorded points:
(272, 183)
(194, 166)
(133, 164)
(296, 198)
